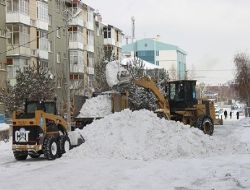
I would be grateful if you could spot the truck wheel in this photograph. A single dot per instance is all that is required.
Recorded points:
(205, 124)
(51, 148)
(65, 145)
(20, 155)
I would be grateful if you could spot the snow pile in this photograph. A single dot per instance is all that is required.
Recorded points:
(141, 135)
(112, 70)
(99, 106)
(244, 122)
(4, 127)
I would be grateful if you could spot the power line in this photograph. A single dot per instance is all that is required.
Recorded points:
(24, 44)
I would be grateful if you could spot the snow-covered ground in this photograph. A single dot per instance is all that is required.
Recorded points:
(4, 126)
(137, 150)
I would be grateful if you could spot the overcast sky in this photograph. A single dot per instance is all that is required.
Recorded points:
(210, 31)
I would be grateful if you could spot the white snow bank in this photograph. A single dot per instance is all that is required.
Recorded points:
(99, 106)
(147, 65)
(112, 69)
(4, 126)
(244, 122)
(141, 135)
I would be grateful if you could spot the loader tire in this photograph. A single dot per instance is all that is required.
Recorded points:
(51, 148)
(20, 155)
(205, 124)
(64, 143)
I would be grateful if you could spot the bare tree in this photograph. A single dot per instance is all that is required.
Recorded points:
(242, 77)
(173, 72)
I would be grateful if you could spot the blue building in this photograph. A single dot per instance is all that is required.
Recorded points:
(167, 56)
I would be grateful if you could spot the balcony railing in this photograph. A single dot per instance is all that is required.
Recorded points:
(17, 17)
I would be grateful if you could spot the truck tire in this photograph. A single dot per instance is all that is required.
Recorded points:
(51, 148)
(20, 155)
(205, 124)
(65, 145)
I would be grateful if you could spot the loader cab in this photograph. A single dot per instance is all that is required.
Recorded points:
(30, 108)
(181, 94)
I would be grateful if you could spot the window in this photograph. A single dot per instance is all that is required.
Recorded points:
(50, 20)
(18, 34)
(21, 6)
(157, 53)
(157, 63)
(58, 32)
(50, 46)
(107, 32)
(58, 57)
(117, 36)
(75, 34)
(76, 57)
(42, 11)
(42, 40)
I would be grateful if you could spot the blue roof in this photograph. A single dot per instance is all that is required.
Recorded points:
(150, 44)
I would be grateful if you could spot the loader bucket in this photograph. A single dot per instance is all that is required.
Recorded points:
(76, 138)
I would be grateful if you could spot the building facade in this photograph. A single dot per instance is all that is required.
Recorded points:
(167, 56)
(3, 73)
(112, 41)
(27, 29)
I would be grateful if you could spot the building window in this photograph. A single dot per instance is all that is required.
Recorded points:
(21, 6)
(107, 32)
(58, 57)
(50, 20)
(50, 46)
(42, 11)
(18, 34)
(75, 34)
(157, 53)
(157, 63)
(117, 36)
(58, 32)
(42, 40)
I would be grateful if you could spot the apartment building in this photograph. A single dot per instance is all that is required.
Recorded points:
(27, 43)
(2, 49)
(167, 56)
(112, 41)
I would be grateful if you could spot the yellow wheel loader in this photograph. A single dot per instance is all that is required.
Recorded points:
(39, 130)
(181, 103)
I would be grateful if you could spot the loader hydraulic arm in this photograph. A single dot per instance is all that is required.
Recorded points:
(149, 84)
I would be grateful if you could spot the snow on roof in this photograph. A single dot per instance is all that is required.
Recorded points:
(147, 65)
(141, 135)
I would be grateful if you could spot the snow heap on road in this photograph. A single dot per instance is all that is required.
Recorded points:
(141, 135)
(99, 106)
(4, 127)
(244, 122)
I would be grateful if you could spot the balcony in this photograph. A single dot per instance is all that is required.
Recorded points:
(91, 70)
(76, 45)
(109, 41)
(42, 54)
(43, 25)
(17, 17)
(76, 68)
(16, 51)
(90, 26)
(90, 48)
(76, 22)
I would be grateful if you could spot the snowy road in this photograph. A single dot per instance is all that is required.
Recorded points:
(229, 171)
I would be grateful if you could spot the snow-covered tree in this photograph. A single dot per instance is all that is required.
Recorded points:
(32, 83)
(139, 97)
(100, 83)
